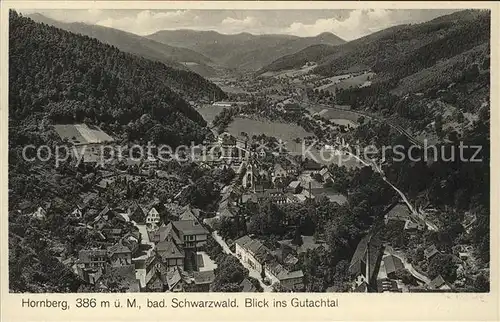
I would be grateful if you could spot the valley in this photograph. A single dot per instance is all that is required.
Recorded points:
(290, 201)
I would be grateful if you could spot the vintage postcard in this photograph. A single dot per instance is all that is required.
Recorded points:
(249, 161)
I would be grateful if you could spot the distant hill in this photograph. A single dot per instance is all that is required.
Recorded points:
(137, 45)
(244, 50)
(63, 77)
(399, 51)
(296, 60)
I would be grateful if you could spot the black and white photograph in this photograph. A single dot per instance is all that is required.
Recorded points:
(251, 151)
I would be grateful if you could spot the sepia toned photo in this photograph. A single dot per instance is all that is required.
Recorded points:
(249, 151)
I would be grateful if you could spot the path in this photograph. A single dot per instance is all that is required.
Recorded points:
(416, 215)
(140, 273)
(378, 118)
(251, 272)
(409, 267)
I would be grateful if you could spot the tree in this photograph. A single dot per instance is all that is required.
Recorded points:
(405, 276)
(228, 274)
(482, 283)
(297, 238)
(442, 264)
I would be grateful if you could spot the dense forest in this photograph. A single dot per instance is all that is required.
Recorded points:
(398, 51)
(60, 77)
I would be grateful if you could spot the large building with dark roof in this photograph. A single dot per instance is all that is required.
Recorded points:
(365, 262)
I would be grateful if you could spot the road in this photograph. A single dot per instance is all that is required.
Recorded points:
(375, 117)
(416, 215)
(409, 267)
(251, 272)
(140, 273)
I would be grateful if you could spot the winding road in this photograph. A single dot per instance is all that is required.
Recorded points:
(251, 272)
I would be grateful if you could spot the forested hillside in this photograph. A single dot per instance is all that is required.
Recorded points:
(296, 60)
(137, 45)
(63, 78)
(398, 51)
(59, 77)
(244, 50)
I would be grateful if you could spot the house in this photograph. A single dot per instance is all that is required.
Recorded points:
(392, 264)
(136, 214)
(274, 195)
(119, 255)
(91, 258)
(226, 210)
(311, 165)
(290, 281)
(387, 285)
(439, 283)
(39, 213)
(412, 227)
(153, 217)
(366, 261)
(325, 174)
(226, 140)
(430, 252)
(252, 252)
(191, 233)
(399, 212)
(102, 218)
(160, 278)
(202, 281)
(223, 104)
(128, 280)
(132, 241)
(174, 279)
(189, 213)
(91, 264)
(166, 232)
(279, 173)
(247, 286)
(295, 187)
(171, 254)
(155, 271)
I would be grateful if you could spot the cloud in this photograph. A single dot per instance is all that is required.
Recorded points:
(147, 21)
(348, 24)
(358, 23)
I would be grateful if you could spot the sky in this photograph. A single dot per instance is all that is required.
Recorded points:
(347, 24)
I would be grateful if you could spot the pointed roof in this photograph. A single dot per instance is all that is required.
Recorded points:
(167, 232)
(118, 248)
(153, 211)
(189, 213)
(189, 227)
(168, 249)
(359, 256)
(173, 276)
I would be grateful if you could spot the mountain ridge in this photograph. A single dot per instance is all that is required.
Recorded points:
(247, 51)
(129, 42)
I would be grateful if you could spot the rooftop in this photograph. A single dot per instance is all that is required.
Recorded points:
(399, 211)
(206, 277)
(189, 227)
(168, 249)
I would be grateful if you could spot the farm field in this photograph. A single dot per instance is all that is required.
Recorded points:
(356, 81)
(208, 112)
(285, 132)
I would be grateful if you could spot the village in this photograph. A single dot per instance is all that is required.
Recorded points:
(160, 245)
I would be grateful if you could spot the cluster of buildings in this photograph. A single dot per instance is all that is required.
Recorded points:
(377, 266)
